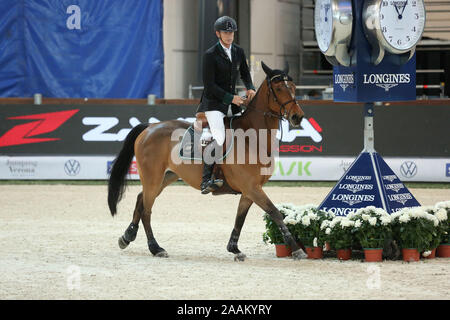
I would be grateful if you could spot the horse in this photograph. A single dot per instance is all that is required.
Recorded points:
(152, 146)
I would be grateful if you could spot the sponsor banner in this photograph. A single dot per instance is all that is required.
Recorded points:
(368, 182)
(326, 130)
(75, 167)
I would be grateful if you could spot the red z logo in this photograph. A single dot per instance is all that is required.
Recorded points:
(46, 122)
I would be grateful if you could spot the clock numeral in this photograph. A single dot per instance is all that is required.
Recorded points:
(399, 42)
(390, 38)
(408, 38)
(385, 3)
(384, 29)
(416, 15)
(414, 29)
(382, 17)
(414, 3)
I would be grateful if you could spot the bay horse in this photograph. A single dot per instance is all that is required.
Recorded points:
(152, 145)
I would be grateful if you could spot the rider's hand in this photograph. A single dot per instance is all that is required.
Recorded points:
(237, 100)
(251, 94)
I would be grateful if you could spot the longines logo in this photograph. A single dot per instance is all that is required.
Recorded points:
(387, 80)
(344, 80)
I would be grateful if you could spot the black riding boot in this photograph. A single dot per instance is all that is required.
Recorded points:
(208, 183)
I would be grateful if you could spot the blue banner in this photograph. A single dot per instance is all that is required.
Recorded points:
(368, 182)
(81, 48)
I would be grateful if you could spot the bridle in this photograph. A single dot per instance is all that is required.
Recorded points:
(283, 112)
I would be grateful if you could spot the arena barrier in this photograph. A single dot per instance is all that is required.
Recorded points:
(79, 141)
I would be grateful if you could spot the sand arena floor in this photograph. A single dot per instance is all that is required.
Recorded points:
(60, 242)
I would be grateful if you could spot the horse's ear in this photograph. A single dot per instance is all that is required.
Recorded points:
(286, 67)
(266, 69)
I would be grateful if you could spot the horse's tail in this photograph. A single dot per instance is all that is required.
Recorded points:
(120, 167)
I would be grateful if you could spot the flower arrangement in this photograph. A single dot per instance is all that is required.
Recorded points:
(421, 228)
(415, 228)
(371, 226)
(305, 225)
(441, 212)
(339, 232)
(273, 234)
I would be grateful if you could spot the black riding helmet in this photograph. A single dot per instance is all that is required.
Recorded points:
(225, 23)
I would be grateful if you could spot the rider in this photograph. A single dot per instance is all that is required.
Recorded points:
(221, 64)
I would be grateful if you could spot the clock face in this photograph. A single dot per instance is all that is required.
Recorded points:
(402, 22)
(323, 20)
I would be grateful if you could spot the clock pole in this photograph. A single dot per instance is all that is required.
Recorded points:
(375, 72)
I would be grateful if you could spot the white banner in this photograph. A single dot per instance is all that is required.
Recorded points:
(286, 168)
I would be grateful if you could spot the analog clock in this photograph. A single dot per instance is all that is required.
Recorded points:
(323, 21)
(395, 26)
(333, 27)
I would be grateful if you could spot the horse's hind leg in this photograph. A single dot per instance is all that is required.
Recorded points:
(244, 205)
(151, 191)
(131, 232)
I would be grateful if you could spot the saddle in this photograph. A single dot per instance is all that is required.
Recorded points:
(191, 148)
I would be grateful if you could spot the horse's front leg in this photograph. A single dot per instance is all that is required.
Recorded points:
(244, 206)
(260, 198)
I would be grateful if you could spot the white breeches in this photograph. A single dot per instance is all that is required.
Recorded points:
(216, 125)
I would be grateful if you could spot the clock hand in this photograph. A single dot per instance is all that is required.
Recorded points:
(404, 6)
(396, 9)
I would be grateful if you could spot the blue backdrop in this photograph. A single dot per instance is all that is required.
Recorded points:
(81, 48)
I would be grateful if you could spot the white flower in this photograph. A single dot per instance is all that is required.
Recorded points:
(441, 214)
(426, 253)
(380, 212)
(432, 218)
(365, 217)
(442, 205)
(345, 222)
(373, 221)
(328, 231)
(306, 221)
(404, 218)
(385, 220)
(325, 224)
(312, 215)
(315, 242)
(358, 223)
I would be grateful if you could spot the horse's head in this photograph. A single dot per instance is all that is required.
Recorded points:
(282, 89)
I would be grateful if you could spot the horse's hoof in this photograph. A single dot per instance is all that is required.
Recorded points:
(123, 243)
(162, 254)
(299, 254)
(239, 257)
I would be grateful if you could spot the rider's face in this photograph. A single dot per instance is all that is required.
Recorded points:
(226, 37)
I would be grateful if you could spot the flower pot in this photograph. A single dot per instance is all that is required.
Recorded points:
(410, 255)
(314, 252)
(344, 254)
(283, 250)
(432, 255)
(373, 254)
(327, 246)
(443, 250)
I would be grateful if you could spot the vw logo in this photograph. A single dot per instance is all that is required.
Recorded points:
(408, 169)
(72, 167)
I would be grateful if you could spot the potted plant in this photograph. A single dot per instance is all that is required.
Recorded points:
(442, 212)
(439, 232)
(340, 233)
(414, 228)
(308, 229)
(371, 228)
(273, 234)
